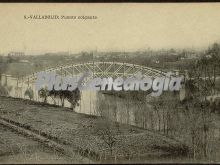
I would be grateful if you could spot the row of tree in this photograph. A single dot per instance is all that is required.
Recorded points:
(71, 96)
(189, 121)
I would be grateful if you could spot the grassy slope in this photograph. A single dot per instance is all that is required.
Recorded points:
(15, 148)
(79, 130)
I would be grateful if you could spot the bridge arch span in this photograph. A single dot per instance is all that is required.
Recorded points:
(101, 69)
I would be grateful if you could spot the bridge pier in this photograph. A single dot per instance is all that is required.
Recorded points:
(3, 79)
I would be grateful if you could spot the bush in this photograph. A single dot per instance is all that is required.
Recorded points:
(4, 90)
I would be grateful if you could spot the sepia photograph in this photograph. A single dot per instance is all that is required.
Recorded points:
(100, 83)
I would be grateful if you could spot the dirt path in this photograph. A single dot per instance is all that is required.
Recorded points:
(16, 148)
(65, 149)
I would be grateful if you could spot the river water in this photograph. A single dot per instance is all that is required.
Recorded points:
(118, 109)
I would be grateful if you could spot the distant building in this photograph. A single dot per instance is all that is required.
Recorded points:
(192, 55)
(16, 54)
(24, 61)
(157, 61)
(208, 56)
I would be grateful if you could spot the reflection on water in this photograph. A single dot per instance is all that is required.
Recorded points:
(119, 109)
(96, 103)
(129, 111)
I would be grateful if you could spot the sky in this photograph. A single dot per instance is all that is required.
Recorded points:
(118, 27)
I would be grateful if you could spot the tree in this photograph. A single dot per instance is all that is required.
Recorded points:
(3, 66)
(29, 93)
(72, 96)
(107, 131)
(214, 50)
(212, 64)
(197, 110)
(4, 90)
(43, 93)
